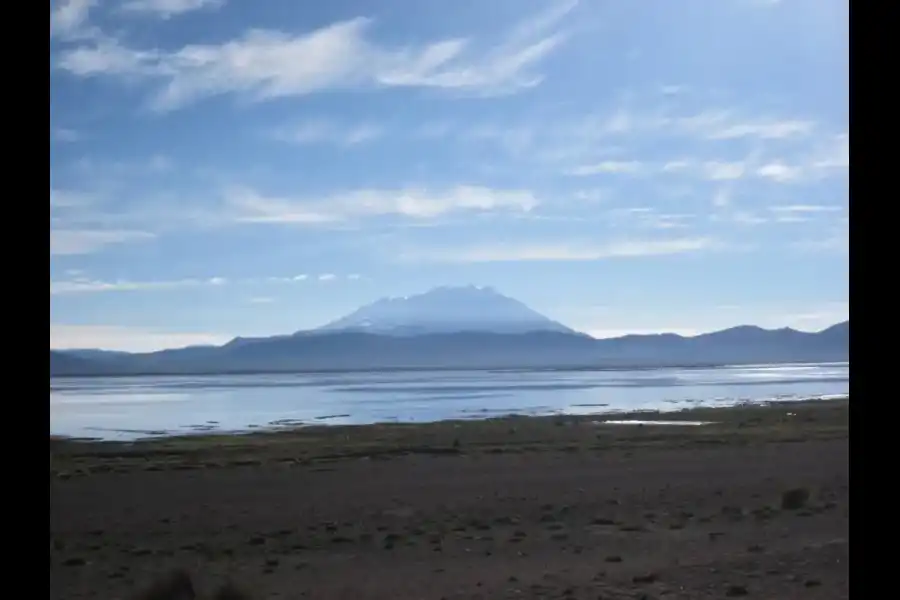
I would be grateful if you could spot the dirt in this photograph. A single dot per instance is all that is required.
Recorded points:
(757, 508)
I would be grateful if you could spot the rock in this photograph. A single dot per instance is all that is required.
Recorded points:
(794, 499)
(734, 591)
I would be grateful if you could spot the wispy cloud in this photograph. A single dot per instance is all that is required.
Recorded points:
(166, 9)
(609, 166)
(806, 208)
(563, 251)
(722, 198)
(86, 241)
(723, 171)
(251, 207)
(833, 153)
(780, 172)
(63, 134)
(321, 131)
(69, 19)
(737, 216)
(265, 64)
(154, 164)
(729, 125)
(69, 199)
(79, 284)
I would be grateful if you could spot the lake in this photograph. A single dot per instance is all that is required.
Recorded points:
(125, 408)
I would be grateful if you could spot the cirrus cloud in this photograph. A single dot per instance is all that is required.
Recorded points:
(265, 64)
(562, 251)
(250, 206)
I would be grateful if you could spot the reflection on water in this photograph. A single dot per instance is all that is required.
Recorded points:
(134, 407)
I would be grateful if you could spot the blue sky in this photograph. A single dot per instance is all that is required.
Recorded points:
(237, 167)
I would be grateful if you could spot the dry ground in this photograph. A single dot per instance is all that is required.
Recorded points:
(508, 508)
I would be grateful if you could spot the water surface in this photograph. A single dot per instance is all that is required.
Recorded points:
(135, 407)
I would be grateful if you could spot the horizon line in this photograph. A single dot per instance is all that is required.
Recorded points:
(345, 331)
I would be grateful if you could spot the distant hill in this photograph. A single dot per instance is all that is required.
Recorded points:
(63, 363)
(461, 328)
(470, 350)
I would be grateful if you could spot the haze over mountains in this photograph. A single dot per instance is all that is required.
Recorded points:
(461, 327)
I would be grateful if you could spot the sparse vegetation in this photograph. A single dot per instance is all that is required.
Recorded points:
(298, 503)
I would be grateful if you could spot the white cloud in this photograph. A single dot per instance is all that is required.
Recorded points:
(594, 143)
(91, 169)
(79, 284)
(779, 172)
(266, 64)
(806, 208)
(313, 132)
(592, 195)
(608, 166)
(166, 9)
(129, 339)
(834, 154)
(771, 130)
(722, 198)
(69, 199)
(69, 20)
(742, 217)
(727, 125)
(672, 90)
(83, 285)
(63, 134)
(84, 241)
(251, 207)
(107, 57)
(676, 166)
(723, 171)
(562, 252)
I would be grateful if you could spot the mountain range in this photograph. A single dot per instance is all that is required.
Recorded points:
(462, 328)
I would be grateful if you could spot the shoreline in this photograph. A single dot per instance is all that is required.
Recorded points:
(289, 425)
(774, 420)
(754, 504)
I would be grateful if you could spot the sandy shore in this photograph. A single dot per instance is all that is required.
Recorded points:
(508, 508)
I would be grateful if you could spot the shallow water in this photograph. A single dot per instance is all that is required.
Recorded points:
(133, 407)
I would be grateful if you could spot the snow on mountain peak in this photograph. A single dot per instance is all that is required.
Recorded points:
(447, 309)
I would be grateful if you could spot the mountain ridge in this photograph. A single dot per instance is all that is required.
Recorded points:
(468, 327)
(353, 350)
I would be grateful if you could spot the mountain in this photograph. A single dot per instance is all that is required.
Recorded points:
(446, 310)
(462, 328)
(62, 363)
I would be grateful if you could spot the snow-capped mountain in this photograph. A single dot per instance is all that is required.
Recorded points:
(445, 310)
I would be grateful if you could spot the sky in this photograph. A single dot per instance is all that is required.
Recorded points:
(236, 167)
